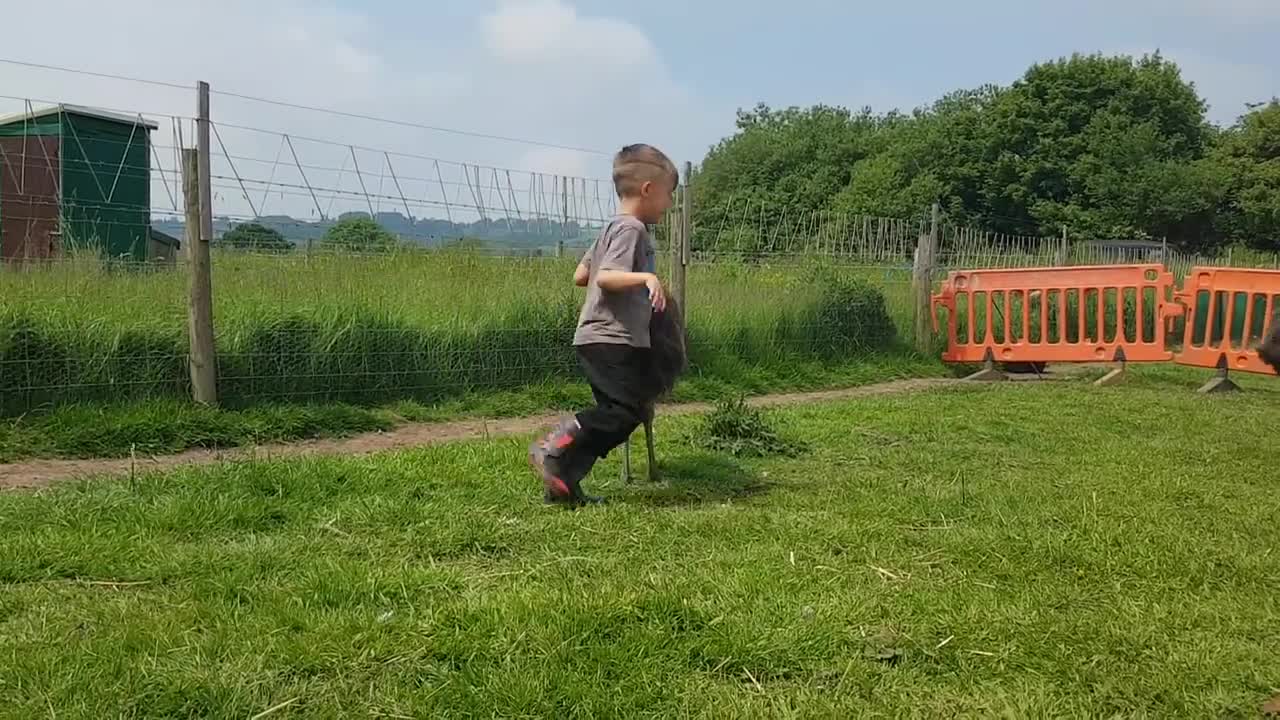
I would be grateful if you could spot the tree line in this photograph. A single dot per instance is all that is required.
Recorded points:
(1109, 147)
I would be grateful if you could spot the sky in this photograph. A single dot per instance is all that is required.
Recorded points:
(585, 74)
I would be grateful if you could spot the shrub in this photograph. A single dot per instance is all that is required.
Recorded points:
(736, 428)
(359, 234)
(257, 237)
(852, 318)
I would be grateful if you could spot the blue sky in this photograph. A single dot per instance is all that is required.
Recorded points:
(907, 52)
(600, 73)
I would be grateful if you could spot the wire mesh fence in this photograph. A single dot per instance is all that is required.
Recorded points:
(458, 281)
(410, 324)
(425, 326)
(405, 325)
(80, 330)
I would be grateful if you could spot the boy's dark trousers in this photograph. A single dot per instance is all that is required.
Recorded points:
(622, 382)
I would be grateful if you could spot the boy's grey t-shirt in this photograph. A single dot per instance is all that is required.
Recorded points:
(617, 318)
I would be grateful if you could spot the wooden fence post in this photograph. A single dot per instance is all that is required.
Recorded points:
(922, 283)
(199, 230)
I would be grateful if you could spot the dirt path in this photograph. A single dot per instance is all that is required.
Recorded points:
(41, 473)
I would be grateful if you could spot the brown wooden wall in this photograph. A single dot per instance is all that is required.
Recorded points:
(30, 169)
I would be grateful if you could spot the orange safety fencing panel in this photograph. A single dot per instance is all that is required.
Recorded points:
(1229, 312)
(1069, 314)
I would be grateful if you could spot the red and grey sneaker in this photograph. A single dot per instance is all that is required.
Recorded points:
(554, 488)
(561, 470)
(563, 436)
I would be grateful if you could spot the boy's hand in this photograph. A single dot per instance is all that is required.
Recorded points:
(657, 296)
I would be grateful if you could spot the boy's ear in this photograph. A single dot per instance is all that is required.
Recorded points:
(646, 188)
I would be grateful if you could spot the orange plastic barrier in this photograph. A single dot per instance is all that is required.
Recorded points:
(1069, 314)
(1229, 312)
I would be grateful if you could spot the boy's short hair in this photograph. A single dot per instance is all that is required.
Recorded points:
(635, 165)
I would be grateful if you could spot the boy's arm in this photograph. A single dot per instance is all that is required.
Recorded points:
(615, 273)
(582, 274)
(616, 280)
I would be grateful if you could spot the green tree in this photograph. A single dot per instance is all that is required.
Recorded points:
(942, 153)
(1247, 158)
(1100, 144)
(1109, 146)
(257, 237)
(358, 233)
(779, 162)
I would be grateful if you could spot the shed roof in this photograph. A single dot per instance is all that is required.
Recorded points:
(165, 239)
(78, 110)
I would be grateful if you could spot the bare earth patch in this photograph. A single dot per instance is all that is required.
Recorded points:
(42, 473)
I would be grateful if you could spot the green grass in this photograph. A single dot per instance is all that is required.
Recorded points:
(1022, 551)
(164, 427)
(427, 327)
(169, 426)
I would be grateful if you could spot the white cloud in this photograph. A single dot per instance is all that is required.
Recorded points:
(290, 48)
(553, 31)
(599, 79)
(534, 69)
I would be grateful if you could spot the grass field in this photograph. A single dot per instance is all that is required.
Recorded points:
(424, 327)
(1023, 551)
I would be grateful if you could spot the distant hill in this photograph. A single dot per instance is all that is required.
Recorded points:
(516, 235)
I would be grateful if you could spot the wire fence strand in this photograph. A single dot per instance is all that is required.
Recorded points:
(462, 286)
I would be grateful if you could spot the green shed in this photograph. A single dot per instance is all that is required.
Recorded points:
(75, 178)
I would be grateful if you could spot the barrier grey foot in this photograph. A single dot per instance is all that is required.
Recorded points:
(1111, 378)
(1219, 384)
(988, 373)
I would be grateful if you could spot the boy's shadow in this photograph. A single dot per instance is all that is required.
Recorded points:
(695, 478)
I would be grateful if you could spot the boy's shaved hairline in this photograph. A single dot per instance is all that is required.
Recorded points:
(637, 164)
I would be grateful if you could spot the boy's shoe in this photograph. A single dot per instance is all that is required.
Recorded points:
(571, 471)
(561, 472)
(563, 436)
(554, 488)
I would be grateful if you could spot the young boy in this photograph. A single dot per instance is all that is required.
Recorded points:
(612, 339)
